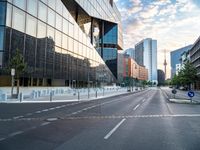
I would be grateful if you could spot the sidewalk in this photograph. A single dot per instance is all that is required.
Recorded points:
(73, 96)
(181, 95)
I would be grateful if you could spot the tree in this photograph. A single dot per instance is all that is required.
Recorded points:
(17, 63)
(186, 76)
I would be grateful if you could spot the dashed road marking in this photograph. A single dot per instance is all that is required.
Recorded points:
(114, 129)
(138, 105)
(1, 139)
(45, 123)
(15, 133)
(17, 117)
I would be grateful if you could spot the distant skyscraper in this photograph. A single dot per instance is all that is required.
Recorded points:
(161, 77)
(175, 57)
(146, 54)
(130, 52)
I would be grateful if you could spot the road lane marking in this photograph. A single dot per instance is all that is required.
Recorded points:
(15, 133)
(17, 117)
(45, 123)
(138, 105)
(2, 139)
(144, 100)
(114, 129)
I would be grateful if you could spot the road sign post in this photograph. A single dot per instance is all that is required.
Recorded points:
(191, 95)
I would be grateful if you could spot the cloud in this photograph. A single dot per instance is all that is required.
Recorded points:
(173, 23)
(149, 12)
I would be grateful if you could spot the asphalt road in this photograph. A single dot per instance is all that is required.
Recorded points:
(139, 121)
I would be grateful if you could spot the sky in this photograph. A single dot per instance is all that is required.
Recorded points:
(173, 23)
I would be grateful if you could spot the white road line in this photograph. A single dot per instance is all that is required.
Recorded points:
(37, 112)
(17, 117)
(1, 139)
(15, 133)
(45, 123)
(29, 114)
(45, 110)
(114, 129)
(136, 107)
(144, 100)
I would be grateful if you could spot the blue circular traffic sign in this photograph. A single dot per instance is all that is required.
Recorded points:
(191, 94)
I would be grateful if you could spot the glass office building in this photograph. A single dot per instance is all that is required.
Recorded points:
(63, 42)
(175, 57)
(146, 55)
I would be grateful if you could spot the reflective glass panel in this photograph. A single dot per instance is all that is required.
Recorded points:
(71, 30)
(18, 15)
(58, 22)
(58, 38)
(51, 33)
(45, 1)
(42, 12)
(32, 7)
(20, 3)
(8, 17)
(31, 24)
(2, 13)
(41, 30)
(1, 38)
(1, 59)
(70, 44)
(59, 6)
(52, 4)
(64, 41)
(65, 26)
(51, 17)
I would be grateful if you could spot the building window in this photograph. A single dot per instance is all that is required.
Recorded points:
(18, 19)
(32, 7)
(58, 38)
(42, 12)
(44, 1)
(41, 30)
(8, 15)
(59, 6)
(51, 17)
(2, 13)
(1, 38)
(65, 42)
(65, 26)
(51, 33)
(20, 3)
(52, 4)
(31, 24)
(58, 22)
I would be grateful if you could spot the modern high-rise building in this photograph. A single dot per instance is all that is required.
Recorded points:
(161, 77)
(146, 55)
(195, 59)
(175, 57)
(62, 41)
(130, 52)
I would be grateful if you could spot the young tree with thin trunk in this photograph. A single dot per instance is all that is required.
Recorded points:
(17, 63)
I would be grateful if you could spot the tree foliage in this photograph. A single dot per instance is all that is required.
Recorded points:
(186, 76)
(17, 63)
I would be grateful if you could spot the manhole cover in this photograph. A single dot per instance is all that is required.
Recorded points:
(52, 119)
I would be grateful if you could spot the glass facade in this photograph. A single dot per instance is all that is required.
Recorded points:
(146, 55)
(175, 57)
(53, 44)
